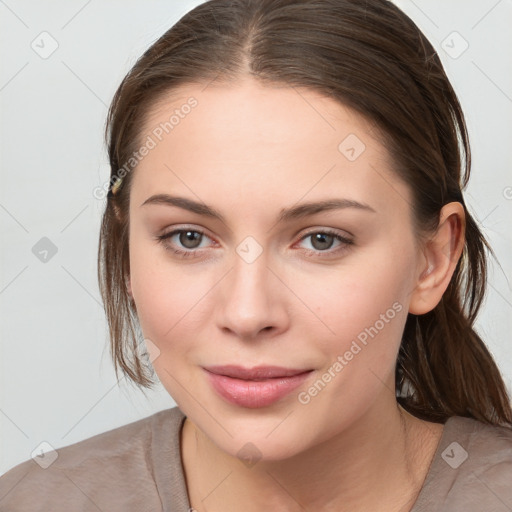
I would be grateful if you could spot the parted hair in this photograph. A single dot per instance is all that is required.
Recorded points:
(371, 57)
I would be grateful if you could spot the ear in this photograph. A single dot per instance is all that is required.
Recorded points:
(440, 256)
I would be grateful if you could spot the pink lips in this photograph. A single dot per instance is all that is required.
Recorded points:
(254, 387)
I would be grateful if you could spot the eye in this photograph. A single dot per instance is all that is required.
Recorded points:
(189, 239)
(186, 242)
(323, 240)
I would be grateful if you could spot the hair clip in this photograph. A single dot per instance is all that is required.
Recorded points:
(116, 186)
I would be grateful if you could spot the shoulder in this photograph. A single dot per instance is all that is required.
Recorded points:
(113, 470)
(488, 445)
(489, 454)
(471, 470)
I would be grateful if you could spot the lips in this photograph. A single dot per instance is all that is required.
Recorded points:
(254, 387)
(256, 373)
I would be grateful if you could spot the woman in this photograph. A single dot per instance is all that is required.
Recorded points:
(286, 233)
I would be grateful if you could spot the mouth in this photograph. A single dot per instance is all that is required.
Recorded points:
(255, 387)
(256, 373)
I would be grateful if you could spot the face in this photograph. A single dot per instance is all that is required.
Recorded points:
(251, 276)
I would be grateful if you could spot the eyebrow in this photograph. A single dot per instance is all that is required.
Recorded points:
(288, 214)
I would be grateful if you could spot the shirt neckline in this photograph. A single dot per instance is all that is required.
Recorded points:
(169, 473)
(172, 503)
(435, 465)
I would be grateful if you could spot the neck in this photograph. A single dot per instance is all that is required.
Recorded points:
(374, 464)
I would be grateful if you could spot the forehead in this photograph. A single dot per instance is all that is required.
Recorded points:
(279, 140)
(249, 113)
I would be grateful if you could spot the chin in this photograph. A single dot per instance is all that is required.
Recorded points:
(250, 452)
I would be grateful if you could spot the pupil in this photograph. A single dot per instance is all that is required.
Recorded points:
(187, 238)
(321, 237)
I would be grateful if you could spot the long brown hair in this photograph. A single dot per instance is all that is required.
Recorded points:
(369, 56)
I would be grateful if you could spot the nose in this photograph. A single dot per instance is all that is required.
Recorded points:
(252, 300)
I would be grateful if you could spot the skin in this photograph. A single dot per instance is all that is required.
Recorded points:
(249, 151)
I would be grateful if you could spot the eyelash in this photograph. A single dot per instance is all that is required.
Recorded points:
(192, 253)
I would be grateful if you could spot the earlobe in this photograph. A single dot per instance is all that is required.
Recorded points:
(441, 254)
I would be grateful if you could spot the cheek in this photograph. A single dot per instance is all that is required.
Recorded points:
(365, 305)
(353, 297)
(168, 294)
(167, 300)
(153, 288)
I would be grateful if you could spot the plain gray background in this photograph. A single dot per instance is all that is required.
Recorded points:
(57, 383)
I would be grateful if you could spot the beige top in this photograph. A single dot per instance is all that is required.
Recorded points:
(137, 467)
